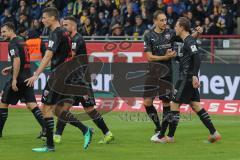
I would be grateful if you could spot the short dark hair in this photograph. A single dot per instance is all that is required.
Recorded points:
(51, 11)
(9, 25)
(156, 13)
(71, 18)
(138, 16)
(185, 23)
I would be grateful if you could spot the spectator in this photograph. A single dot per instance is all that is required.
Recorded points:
(41, 2)
(23, 21)
(122, 7)
(217, 7)
(209, 28)
(171, 17)
(117, 30)
(192, 20)
(178, 7)
(95, 3)
(93, 14)
(128, 28)
(23, 9)
(68, 10)
(102, 25)
(107, 8)
(36, 26)
(116, 18)
(87, 29)
(7, 17)
(135, 6)
(225, 21)
(35, 10)
(150, 7)
(139, 28)
(78, 7)
(129, 15)
(84, 16)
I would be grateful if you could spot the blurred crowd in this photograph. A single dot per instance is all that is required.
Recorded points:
(122, 17)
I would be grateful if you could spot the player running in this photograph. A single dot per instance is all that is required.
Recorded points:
(188, 84)
(79, 49)
(16, 89)
(58, 51)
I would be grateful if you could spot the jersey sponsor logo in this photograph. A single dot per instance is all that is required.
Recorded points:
(194, 48)
(74, 45)
(50, 44)
(12, 52)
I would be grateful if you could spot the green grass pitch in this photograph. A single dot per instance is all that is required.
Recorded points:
(132, 142)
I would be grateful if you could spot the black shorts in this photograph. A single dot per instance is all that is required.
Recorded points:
(87, 100)
(50, 97)
(185, 93)
(162, 88)
(24, 93)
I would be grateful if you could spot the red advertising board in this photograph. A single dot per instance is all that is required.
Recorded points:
(221, 107)
(106, 51)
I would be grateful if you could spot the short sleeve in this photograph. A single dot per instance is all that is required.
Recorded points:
(147, 43)
(13, 51)
(54, 42)
(193, 48)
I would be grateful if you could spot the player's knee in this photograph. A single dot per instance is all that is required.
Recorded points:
(31, 106)
(166, 103)
(60, 108)
(196, 107)
(89, 109)
(47, 111)
(174, 106)
(148, 102)
(3, 105)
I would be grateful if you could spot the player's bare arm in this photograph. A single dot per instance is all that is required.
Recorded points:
(198, 31)
(169, 54)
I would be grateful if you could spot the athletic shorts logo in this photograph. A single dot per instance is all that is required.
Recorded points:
(45, 93)
(85, 97)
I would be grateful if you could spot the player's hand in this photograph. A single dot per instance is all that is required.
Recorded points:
(6, 70)
(30, 81)
(195, 82)
(199, 29)
(14, 85)
(171, 54)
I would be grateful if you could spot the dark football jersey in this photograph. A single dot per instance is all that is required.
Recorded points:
(185, 56)
(158, 43)
(60, 44)
(79, 45)
(16, 48)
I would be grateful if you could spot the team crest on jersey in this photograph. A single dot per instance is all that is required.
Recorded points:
(167, 36)
(45, 93)
(85, 97)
